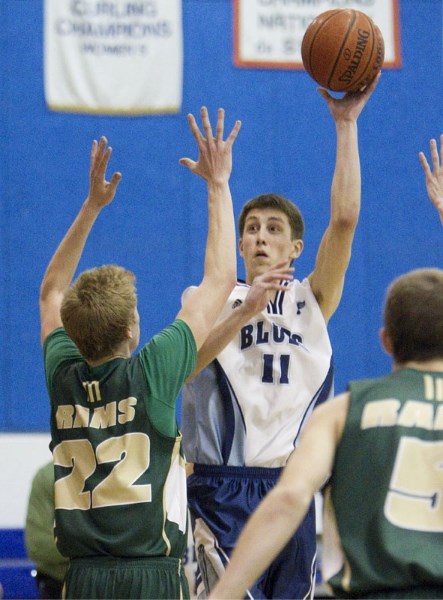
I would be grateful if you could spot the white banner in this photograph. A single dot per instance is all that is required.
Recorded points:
(269, 33)
(113, 57)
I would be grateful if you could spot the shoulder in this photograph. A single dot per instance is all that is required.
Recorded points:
(58, 348)
(178, 329)
(59, 340)
(300, 293)
(363, 386)
(187, 293)
(176, 337)
(300, 286)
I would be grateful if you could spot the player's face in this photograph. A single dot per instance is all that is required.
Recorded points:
(266, 240)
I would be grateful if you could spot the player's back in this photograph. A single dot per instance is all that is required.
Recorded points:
(384, 491)
(120, 485)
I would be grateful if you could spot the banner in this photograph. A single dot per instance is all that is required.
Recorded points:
(113, 57)
(268, 33)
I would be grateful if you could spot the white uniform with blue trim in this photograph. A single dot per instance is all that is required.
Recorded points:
(243, 415)
(277, 368)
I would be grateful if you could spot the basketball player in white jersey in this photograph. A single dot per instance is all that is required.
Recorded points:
(392, 544)
(264, 368)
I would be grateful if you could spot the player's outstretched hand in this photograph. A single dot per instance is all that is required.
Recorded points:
(214, 162)
(101, 192)
(434, 177)
(265, 286)
(351, 104)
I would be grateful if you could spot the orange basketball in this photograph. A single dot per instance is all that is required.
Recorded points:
(343, 50)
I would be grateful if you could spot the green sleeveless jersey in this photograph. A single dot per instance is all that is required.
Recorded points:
(383, 523)
(120, 483)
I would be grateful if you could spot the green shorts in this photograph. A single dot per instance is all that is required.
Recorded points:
(121, 578)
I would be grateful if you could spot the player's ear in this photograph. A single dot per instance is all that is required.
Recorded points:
(240, 246)
(297, 248)
(385, 341)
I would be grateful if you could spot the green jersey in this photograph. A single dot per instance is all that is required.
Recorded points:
(120, 483)
(384, 507)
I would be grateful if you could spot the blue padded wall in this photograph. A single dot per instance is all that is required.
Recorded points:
(157, 225)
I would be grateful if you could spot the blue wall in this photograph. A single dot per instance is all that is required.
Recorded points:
(157, 225)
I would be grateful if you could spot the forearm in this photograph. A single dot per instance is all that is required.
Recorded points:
(64, 262)
(346, 184)
(220, 256)
(214, 165)
(201, 311)
(262, 289)
(219, 337)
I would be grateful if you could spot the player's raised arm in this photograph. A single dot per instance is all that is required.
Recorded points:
(434, 177)
(63, 264)
(334, 253)
(214, 164)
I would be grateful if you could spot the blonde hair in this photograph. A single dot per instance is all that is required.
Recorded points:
(98, 309)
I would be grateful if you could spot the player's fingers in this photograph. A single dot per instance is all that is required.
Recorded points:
(281, 288)
(93, 160)
(93, 148)
(194, 128)
(275, 286)
(434, 154)
(104, 159)
(187, 162)
(233, 135)
(270, 279)
(424, 163)
(101, 146)
(115, 179)
(371, 87)
(324, 93)
(219, 128)
(206, 124)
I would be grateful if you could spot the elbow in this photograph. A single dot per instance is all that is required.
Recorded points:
(47, 285)
(221, 282)
(346, 220)
(231, 280)
(44, 291)
(226, 282)
(287, 499)
(229, 285)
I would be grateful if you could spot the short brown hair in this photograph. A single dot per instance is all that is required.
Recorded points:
(413, 315)
(279, 203)
(98, 309)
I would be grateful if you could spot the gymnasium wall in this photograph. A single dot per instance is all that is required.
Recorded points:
(157, 224)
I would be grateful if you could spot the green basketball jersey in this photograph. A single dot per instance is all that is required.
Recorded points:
(383, 525)
(120, 486)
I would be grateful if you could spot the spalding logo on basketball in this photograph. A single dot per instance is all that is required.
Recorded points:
(343, 50)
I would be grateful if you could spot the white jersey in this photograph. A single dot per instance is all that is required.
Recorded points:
(249, 406)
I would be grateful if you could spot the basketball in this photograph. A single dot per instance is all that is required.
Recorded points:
(343, 50)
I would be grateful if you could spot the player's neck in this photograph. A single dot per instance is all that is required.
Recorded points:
(435, 364)
(121, 352)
